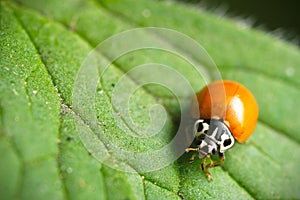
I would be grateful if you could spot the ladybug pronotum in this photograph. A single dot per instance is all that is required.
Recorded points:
(228, 112)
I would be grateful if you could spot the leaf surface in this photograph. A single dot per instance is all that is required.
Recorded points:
(43, 45)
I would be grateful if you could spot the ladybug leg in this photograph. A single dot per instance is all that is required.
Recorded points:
(194, 155)
(203, 165)
(220, 162)
(222, 159)
(191, 149)
(211, 164)
(206, 167)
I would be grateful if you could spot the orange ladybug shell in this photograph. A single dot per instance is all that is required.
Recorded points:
(230, 101)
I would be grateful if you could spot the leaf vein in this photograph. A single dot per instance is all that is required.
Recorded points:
(159, 185)
(59, 164)
(29, 99)
(239, 183)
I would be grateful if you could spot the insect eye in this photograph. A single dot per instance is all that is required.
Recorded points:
(199, 127)
(213, 151)
(227, 142)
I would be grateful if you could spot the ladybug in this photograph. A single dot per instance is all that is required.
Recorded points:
(223, 111)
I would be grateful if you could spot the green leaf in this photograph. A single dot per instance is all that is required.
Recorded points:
(43, 45)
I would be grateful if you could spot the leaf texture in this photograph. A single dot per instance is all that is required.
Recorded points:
(43, 45)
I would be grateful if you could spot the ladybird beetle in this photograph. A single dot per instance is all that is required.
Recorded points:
(224, 111)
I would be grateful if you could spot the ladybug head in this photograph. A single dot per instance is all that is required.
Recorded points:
(216, 131)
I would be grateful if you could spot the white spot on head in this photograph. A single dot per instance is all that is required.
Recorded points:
(224, 137)
(213, 135)
(210, 148)
(203, 144)
(205, 127)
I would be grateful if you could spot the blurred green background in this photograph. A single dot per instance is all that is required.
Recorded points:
(279, 17)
